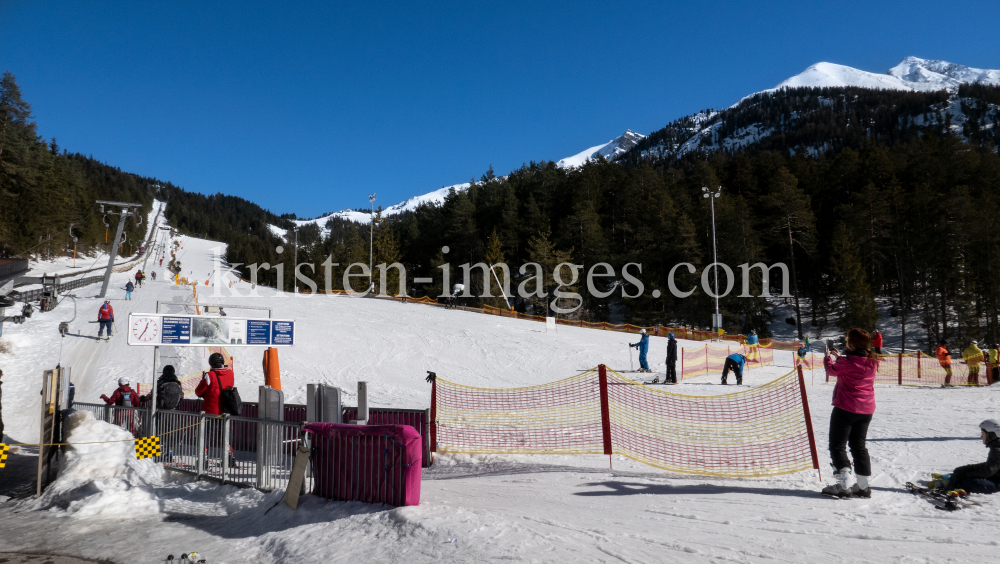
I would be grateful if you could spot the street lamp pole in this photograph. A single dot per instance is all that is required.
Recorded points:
(371, 242)
(712, 195)
(295, 269)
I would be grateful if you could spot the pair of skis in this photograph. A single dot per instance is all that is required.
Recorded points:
(945, 500)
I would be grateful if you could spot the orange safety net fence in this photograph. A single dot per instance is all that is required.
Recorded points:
(921, 369)
(763, 431)
(710, 359)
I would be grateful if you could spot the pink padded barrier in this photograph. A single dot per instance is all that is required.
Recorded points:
(368, 463)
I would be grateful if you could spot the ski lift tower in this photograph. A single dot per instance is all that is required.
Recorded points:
(127, 210)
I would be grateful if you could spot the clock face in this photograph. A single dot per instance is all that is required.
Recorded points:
(145, 329)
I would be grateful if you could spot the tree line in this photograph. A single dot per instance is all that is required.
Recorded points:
(908, 217)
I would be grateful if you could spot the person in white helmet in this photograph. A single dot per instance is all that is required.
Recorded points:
(124, 396)
(643, 346)
(983, 477)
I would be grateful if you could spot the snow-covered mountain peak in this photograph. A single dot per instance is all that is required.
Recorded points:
(912, 73)
(916, 70)
(610, 150)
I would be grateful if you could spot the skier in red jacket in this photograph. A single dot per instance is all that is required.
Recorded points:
(877, 342)
(105, 316)
(213, 382)
(124, 396)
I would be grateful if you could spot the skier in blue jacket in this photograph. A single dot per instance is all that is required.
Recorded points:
(643, 346)
(752, 338)
(735, 363)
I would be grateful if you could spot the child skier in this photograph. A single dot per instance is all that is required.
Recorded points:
(671, 375)
(643, 346)
(128, 290)
(983, 477)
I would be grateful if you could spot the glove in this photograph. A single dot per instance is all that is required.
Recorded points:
(105, 397)
(431, 376)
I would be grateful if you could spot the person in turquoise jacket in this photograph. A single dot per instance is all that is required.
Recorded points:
(752, 338)
(643, 346)
(734, 362)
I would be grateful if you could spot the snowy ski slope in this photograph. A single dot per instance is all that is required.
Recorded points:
(474, 508)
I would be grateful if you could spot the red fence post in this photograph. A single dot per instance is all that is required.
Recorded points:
(433, 422)
(918, 365)
(602, 378)
(809, 424)
(682, 363)
(900, 369)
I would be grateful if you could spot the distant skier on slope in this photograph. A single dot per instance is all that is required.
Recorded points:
(944, 359)
(752, 344)
(983, 477)
(138, 278)
(853, 406)
(128, 290)
(643, 346)
(105, 316)
(973, 355)
(734, 362)
(877, 342)
(153, 275)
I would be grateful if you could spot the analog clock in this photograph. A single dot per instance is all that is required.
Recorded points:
(145, 329)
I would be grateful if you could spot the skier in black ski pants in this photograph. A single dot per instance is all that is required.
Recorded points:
(983, 477)
(671, 377)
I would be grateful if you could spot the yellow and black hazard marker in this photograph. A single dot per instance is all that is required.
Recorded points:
(3, 454)
(147, 447)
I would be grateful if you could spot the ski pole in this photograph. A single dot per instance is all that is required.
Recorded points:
(631, 366)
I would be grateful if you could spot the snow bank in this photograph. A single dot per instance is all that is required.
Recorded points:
(100, 476)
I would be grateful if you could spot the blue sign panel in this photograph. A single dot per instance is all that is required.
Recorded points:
(258, 332)
(282, 332)
(176, 331)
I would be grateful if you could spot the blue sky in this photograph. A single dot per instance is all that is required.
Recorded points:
(307, 107)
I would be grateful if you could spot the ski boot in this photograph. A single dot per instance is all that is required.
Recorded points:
(841, 489)
(656, 380)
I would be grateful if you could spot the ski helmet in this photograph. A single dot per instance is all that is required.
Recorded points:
(123, 381)
(990, 426)
(753, 331)
(643, 331)
(216, 360)
(670, 335)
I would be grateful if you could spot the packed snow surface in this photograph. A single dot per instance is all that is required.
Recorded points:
(478, 508)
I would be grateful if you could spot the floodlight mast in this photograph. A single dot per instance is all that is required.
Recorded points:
(112, 250)
(371, 244)
(712, 195)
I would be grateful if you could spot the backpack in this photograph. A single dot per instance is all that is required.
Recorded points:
(126, 399)
(230, 402)
(169, 395)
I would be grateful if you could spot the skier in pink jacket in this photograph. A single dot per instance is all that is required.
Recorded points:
(853, 406)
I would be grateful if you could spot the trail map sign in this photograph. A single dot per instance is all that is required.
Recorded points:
(157, 329)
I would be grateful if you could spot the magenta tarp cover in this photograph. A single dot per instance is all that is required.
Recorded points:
(369, 463)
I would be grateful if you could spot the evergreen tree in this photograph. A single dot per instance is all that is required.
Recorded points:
(857, 301)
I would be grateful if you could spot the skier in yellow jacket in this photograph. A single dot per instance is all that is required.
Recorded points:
(973, 356)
